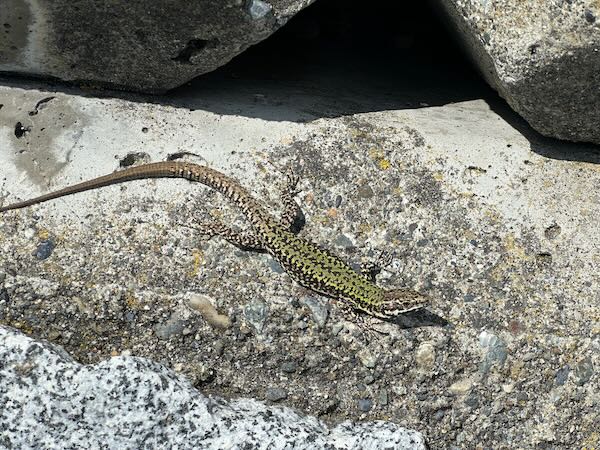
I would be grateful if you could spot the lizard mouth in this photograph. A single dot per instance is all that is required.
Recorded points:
(400, 301)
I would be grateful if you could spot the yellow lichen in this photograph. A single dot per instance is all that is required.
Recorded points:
(43, 234)
(198, 259)
(378, 156)
(384, 164)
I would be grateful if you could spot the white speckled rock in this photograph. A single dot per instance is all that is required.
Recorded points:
(52, 402)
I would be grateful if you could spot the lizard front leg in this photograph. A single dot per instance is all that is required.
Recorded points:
(291, 211)
(372, 268)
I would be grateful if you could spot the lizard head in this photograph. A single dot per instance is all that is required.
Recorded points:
(400, 301)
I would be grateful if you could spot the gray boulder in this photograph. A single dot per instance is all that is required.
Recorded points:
(133, 44)
(542, 57)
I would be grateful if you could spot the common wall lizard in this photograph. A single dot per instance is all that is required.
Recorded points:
(305, 262)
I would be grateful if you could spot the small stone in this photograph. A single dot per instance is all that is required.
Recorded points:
(204, 305)
(274, 265)
(275, 394)
(44, 249)
(497, 407)
(439, 415)
(203, 373)
(461, 387)
(302, 325)
(343, 242)
(468, 297)
(583, 371)
(335, 329)
(367, 358)
(522, 397)
(399, 389)
(258, 9)
(289, 366)
(338, 201)
(383, 398)
(256, 314)
(562, 375)
(425, 357)
(495, 350)
(54, 335)
(318, 308)
(167, 250)
(218, 347)
(516, 368)
(472, 400)
(589, 16)
(365, 191)
(552, 231)
(422, 242)
(365, 404)
(174, 325)
(332, 212)
(529, 356)
(508, 388)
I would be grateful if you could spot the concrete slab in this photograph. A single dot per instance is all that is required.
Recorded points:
(494, 222)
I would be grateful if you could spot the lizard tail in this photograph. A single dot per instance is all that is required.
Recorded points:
(169, 169)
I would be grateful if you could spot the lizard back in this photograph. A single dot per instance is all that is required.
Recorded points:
(320, 270)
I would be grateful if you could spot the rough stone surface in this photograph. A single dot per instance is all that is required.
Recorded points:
(50, 401)
(543, 57)
(135, 45)
(497, 225)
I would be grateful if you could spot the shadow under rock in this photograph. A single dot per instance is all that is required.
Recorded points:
(332, 59)
(418, 318)
(546, 146)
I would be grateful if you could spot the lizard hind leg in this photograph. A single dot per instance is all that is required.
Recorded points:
(368, 325)
(244, 240)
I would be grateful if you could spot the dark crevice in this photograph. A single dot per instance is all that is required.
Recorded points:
(39, 105)
(21, 130)
(192, 48)
(132, 158)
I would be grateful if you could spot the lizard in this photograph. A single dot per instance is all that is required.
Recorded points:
(304, 261)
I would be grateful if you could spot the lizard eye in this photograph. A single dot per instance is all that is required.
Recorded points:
(398, 301)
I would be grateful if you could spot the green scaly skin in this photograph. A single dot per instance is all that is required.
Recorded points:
(308, 264)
